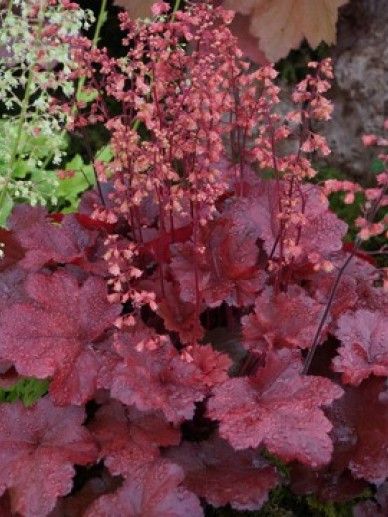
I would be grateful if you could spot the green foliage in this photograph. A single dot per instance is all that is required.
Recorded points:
(69, 190)
(26, 390)
(32, 179)
(328, 509)
(377, 166)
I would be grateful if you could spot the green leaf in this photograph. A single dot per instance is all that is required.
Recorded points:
(5, 209)
(87, 95)
(69, 189)
(26, 390)
(22, 168)
(105, 154)
(377, 166)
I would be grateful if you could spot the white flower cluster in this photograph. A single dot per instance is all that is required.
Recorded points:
(35, 61)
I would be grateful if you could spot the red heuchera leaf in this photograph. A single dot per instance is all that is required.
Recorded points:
(179, 316)
(45, 242)
(360, 430)
(51, 335)
(38, 447)
(285, 319)
(322, 233)
(213, 365)
(13, 252)
(364, 350)
(227, 269)
(93, 224)
(12, 286)
(154, 491)
(157, 379)
(215, 471)
(129, 438)
(277, 408)
(333, 483)
(355, 289)
(345, 298)
(160, 246)
(91, 199)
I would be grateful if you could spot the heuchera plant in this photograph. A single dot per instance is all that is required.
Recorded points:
(199, 316)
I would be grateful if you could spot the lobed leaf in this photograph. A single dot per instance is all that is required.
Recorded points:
(153, 491)
(38, 448)
(277, 408)
(215, 471)
(51, 333)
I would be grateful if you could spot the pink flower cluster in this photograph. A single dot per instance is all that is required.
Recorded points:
(200, 309)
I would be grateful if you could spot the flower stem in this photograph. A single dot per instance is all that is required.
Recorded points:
(176, 6)
(100, 22)
(322, 322)
(371, 215)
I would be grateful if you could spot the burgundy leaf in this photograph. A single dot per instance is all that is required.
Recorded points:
(38, 447)
(12, 286)
(364, 350)
(93, 224)
(52, 334)
(332, 483)
(227, 268)
(13, 252)
(277, 408)
(322, 233)
(213, 365)
(45, 242)
(154, 491)
(359, 434)
(91, 199)
(160, 246)
(346, 295)
(215, 471)
(156, 379)
(129, 438)
(179, 316)
(285, 319)
(360, 430)
(355, 289)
